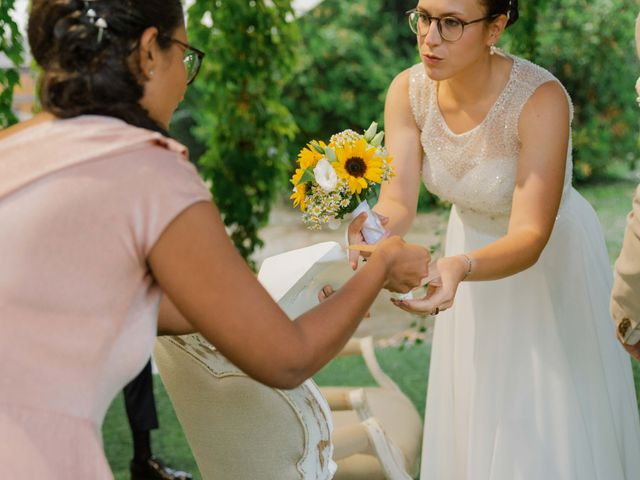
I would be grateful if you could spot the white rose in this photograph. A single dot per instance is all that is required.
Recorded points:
(325, 175)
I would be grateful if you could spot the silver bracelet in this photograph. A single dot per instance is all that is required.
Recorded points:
(470, 265)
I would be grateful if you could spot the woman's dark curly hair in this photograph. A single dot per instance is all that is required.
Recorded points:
(502, 7)
(85, 76)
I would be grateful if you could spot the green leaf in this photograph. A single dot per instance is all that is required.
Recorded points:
(307, 176)
(317, 147)
(331, 154)
(241, 129)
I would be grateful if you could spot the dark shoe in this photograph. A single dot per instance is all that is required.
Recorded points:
(155, 469)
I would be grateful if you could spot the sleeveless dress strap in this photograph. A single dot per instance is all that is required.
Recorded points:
(418, 95)
(528, 78)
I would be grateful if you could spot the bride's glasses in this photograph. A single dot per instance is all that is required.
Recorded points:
(450, 28)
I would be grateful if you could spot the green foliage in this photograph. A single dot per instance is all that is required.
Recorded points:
(237, 107)
(352, 50)
(11, 47)
(588, 45)
(523, 35)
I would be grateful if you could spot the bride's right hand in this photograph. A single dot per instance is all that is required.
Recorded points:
(355, 237)
(408, 264)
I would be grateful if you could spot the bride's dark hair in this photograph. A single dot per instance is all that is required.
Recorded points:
(502, 7)
(87, 71)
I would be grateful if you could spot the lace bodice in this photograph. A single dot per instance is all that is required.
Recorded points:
(476, 170)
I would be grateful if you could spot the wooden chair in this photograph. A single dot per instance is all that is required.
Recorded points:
(241, 429)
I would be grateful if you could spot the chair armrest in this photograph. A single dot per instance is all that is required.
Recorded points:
(337, 398)
(346, 398)
(368, 438)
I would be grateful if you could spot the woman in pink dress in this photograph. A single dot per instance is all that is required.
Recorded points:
(101, 213)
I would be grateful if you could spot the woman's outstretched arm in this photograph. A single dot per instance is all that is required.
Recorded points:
(399, 198)
(209, 283)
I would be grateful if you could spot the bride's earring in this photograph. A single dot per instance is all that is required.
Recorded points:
(492, 50)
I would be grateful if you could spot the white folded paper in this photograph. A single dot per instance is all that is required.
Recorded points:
(294, 278)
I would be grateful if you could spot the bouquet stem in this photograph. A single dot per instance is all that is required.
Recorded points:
(372, 230)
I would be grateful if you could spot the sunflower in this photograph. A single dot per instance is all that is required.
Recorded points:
(358, 163)
(299, 191)
(309, 156)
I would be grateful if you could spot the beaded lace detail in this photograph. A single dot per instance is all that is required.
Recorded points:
(476, 170)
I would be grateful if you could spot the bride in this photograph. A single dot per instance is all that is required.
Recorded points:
(527, 380)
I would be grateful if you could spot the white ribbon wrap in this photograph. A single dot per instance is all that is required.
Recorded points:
(372, 230)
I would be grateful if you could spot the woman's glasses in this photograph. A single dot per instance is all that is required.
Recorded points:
(192, 59)
(450, 28)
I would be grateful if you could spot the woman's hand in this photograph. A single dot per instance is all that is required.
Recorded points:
(355, 237)
(325, 293)
(407, 264)
(444, 277)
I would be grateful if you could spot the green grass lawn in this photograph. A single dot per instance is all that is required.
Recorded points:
(409, 367)
(612, 200)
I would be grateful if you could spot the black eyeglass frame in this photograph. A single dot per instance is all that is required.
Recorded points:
(415, 11)
(188, 48)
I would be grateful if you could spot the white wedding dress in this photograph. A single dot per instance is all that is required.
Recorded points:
(527, 380)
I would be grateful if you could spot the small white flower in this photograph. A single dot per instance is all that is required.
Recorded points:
(325, 175)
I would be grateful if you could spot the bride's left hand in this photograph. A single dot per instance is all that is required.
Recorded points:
(444, 277)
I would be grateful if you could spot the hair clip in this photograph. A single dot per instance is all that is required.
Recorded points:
(91, 13)
(102, 25)
(99, 22)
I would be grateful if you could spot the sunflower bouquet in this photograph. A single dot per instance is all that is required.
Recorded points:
(336, 179)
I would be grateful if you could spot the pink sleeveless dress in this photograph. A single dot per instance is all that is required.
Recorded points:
(82, 202)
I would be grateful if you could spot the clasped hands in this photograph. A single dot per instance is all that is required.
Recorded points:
(444, 275)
